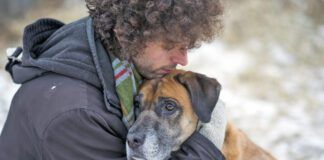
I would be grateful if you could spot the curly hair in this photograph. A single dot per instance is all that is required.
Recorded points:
(136, 22)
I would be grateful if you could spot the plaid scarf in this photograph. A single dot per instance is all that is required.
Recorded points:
(127, 81)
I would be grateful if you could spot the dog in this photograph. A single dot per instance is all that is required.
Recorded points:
(170, 109)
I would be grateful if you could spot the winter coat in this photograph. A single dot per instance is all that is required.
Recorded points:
(67, 107)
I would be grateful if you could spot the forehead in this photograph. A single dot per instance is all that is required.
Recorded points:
(168, 87)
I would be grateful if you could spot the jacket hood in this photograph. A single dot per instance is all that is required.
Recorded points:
(51, 46)
(71, 50)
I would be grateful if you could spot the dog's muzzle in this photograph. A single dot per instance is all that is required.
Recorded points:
(142, 146)
(144, 140)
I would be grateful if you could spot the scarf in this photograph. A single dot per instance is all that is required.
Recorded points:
(127, 81)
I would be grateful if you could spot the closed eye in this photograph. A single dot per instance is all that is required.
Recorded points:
(137, 100)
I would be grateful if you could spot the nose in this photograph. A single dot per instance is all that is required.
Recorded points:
(135, 140)
(180, 58)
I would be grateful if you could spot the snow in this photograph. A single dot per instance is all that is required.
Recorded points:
(53, 87)
(280, 56)
(321, 30)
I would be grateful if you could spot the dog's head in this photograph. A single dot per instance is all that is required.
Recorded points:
(170, 108)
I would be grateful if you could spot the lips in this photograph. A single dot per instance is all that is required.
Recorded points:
(135, 156)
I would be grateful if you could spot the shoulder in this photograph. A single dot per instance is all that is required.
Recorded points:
(58, 92)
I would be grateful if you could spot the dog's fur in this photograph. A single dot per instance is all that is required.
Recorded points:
(170, 109)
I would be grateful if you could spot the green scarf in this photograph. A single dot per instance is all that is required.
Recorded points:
(127, 81)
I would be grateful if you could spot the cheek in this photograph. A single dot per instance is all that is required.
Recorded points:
(169, 133)
(157, 55)
(160, 59)
(188, 126)
(142, 62)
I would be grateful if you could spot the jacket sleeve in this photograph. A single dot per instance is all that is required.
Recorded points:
(197, 147)
(81, 134)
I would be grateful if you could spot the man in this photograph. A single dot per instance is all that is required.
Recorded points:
(78, 80)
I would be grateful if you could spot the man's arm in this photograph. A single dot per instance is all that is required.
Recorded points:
(198, 147)
(84, 134)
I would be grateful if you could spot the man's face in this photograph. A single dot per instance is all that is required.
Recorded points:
(157, 59)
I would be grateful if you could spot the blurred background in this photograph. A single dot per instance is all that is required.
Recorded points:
(269, 59)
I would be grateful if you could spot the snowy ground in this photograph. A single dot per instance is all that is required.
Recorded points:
(289, 129)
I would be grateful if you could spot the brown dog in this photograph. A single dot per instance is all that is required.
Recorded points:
(170, 108)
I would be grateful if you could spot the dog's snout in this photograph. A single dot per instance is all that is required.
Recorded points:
(135, 140)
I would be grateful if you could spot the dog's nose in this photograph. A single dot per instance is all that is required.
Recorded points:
(134, 141)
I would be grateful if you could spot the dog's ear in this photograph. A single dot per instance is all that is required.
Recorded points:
(204, 93)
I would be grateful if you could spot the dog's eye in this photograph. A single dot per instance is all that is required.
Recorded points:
(169, 106)
(166, 107)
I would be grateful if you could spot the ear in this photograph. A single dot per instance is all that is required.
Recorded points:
(204, 93)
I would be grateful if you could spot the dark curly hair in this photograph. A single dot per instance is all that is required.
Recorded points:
(138, 21)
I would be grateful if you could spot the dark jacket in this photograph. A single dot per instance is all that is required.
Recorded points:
(66, 107)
